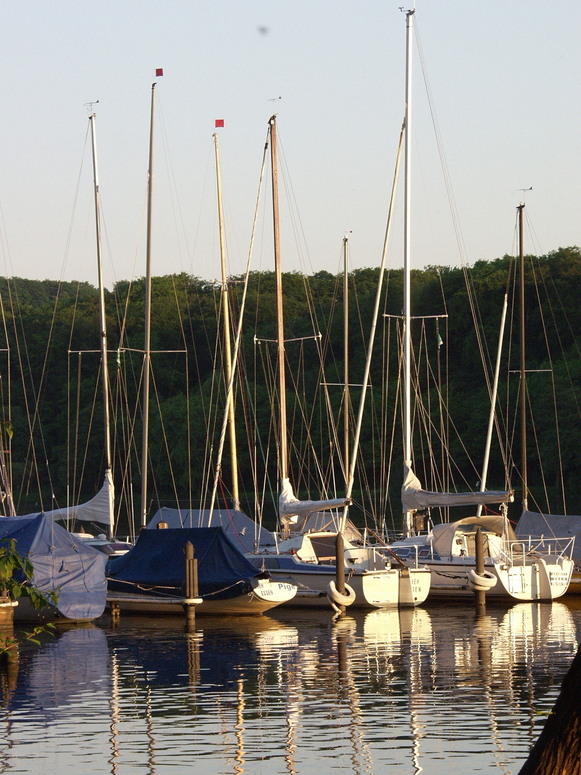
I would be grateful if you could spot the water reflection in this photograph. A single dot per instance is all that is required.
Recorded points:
(430, 689)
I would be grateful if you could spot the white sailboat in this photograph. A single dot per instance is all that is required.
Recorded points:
(150, 578)
(513, 569)
(305, 550)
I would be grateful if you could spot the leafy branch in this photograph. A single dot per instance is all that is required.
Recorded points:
(16, 578)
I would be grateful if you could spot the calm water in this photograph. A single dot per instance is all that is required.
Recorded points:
(432, 690)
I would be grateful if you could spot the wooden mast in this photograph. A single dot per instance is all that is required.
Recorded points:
(523, 374)
(103, 326)
(346, 393)
(283, 441)
(227, 336)
(407, 262)
(147, 340)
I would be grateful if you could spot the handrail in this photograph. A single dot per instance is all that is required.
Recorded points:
(531, 546)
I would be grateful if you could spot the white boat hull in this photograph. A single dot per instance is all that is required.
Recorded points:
(537, 581)
(389, 588)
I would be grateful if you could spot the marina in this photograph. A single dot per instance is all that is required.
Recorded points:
(433, 689)
(334, 533)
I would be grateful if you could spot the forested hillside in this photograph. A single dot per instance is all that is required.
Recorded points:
(51, 399)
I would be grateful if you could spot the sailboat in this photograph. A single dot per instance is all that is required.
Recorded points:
(69, 573)
(305, 550)
(540, 529)
(512, 568)
(99, 510)
(151, 577)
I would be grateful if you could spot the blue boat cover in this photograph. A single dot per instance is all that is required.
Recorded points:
(62, 563)
(156, 564)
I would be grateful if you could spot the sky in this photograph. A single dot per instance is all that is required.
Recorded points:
(504, 80)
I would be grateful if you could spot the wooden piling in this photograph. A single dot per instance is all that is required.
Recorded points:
(340, 568)
(115, 610)
(480, 594)
(191, 590)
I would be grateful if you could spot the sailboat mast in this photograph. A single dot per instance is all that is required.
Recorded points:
(407, 260)
(493, 400)
(227, 339)
(283, 442)
(147, 338)
(103, 326)
(523, 374)
(346, 394)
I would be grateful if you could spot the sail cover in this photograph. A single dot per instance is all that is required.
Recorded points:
(291, 508)
(156, 564)
(98, 509)
(62, 563)
(413, 497)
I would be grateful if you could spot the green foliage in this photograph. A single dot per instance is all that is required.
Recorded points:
(17, 577)
(9, 643)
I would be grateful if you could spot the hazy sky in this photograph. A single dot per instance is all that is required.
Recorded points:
(505, 80)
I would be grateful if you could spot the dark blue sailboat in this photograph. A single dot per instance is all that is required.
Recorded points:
(150, 578)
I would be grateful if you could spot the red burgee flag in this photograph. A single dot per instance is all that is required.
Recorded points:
(219, 122)
(159, 72)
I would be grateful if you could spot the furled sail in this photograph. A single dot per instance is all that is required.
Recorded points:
(291, 508)
(413, 497)
(98, 509)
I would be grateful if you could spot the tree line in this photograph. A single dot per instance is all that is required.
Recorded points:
(52, 427)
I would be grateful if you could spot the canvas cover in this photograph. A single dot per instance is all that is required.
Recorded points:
(156, 564)
(443, 534)
(414, 498)
(244, 532)
(326, 521)
(538, 525)
(62, 564)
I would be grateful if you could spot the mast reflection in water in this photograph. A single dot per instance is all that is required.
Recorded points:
(433, 690)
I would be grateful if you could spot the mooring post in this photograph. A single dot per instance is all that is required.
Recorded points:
(191, 585)
(115, 614)
(480, 594)
(340, 567)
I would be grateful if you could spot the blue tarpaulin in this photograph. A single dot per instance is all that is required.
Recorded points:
(156, 564)
(62, 563)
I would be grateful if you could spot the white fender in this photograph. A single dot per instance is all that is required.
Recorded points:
(337, 598)
(481, 582)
